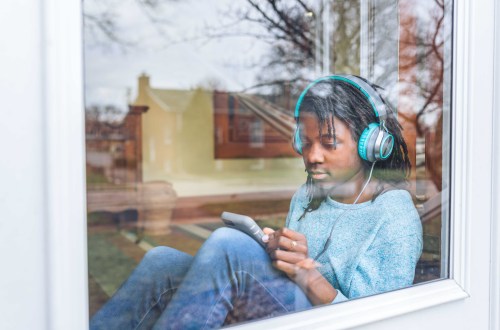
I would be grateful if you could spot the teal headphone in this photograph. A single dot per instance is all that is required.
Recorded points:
(375, 143)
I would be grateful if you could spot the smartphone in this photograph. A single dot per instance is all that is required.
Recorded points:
(244, 224)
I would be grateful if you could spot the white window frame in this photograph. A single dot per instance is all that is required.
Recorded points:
(65, 191)
(495, 191)
(65, 186)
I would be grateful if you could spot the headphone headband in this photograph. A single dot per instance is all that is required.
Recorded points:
(378, 106)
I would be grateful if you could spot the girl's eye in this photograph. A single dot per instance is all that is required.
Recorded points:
(306, 144)
(330, 145)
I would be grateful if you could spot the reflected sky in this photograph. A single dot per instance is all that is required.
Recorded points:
(171, 44)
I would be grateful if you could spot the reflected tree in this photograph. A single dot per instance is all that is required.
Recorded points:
(422, 72)
(290, 26)
(296, 31)
(422, 60)
(106, 113)
(103, 21)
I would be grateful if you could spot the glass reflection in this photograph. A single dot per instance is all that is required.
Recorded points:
(208, 128)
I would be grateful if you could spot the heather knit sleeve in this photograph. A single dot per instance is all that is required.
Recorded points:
(386, 267)
(389, 262)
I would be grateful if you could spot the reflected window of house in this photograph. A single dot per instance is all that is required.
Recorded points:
(193, 115)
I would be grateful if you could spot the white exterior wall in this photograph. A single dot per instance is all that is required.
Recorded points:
(22, 205)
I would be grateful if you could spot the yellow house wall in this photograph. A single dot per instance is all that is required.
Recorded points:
(179, 147)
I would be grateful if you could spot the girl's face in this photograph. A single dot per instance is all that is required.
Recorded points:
(328, 166)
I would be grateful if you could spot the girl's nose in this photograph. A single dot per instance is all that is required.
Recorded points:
(315, 154)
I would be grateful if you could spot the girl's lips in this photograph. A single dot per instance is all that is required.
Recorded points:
(318, 176)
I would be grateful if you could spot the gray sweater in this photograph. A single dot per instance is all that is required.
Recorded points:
(374, 246)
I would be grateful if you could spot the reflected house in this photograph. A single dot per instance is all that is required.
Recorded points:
(248, 126)
(114, 150)
(210, 143)
(114, 175)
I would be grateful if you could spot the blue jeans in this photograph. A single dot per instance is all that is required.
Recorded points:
(231, 279)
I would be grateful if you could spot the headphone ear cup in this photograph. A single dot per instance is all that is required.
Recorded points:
(386, 146)
(366, 143)
(297, 142)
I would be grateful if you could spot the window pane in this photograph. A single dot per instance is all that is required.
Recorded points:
(190, 110)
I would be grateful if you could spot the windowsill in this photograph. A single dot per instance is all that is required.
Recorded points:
(369, 309)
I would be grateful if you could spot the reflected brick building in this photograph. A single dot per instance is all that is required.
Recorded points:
(114, 151)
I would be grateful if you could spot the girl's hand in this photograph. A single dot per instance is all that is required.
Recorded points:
(288, 250)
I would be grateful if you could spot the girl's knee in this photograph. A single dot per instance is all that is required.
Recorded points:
(229, 240)
(163, 257)
(229, 236)
(157, 253)
(228, 248)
